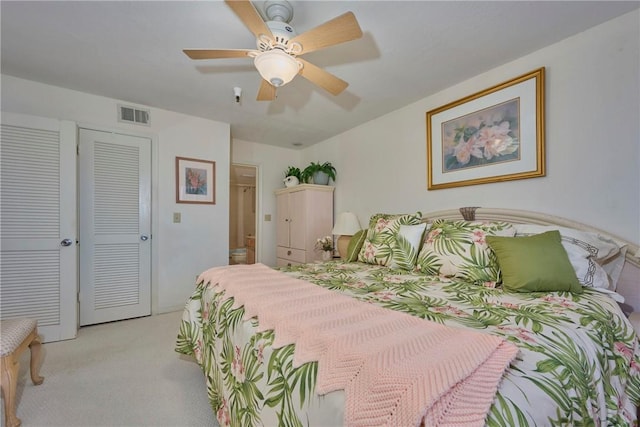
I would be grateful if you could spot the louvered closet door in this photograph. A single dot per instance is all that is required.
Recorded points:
(115, 226)
(38, 263)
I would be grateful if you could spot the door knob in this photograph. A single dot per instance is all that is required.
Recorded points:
(144, 238)
(66, 242)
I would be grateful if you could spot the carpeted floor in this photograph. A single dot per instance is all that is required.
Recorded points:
(123, 374)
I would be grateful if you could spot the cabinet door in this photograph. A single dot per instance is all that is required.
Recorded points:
(282, 226)
(298, 219)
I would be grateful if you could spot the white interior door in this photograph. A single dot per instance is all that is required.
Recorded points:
(115, 226)
(38, 224)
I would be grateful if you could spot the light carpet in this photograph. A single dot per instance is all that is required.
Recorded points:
(124, 374)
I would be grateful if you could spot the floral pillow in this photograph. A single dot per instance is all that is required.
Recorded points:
(459, 249)
(382, 245)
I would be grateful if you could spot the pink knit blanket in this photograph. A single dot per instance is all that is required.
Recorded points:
(395, 369)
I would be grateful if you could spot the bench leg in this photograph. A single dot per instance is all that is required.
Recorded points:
(10, 368)
(34, 347)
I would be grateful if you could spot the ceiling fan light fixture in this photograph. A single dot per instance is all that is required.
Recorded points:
(277, 67)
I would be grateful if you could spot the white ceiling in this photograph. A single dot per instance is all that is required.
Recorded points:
(132, 51)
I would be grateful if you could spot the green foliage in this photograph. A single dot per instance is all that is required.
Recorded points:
(293, 171)
(326, 167)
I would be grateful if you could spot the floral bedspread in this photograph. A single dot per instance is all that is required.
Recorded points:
(579, 362)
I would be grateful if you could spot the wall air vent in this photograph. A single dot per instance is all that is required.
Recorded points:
(127, 114)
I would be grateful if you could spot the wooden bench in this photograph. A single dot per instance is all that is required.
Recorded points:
(15, 336)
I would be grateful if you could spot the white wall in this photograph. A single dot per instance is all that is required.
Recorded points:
(180, 251)
(592, 141)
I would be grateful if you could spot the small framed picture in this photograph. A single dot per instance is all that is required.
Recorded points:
(195, 181)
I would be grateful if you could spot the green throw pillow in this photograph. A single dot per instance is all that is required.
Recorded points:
(537, 263)
(355, 244)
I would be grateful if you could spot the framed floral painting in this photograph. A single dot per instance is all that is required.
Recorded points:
(490, 136)
(195, 181)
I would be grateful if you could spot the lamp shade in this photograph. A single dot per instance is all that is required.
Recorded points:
(347, 224)
(277, 67)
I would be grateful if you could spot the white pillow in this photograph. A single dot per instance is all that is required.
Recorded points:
(405, 257)
(413, 234)
(587, 252)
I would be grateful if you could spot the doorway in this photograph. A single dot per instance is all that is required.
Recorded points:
(242, 214)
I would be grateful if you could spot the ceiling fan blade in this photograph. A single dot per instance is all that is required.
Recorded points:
(250, 16)
(342, 29)
(267, 92)
(322, 78)
(216, 53)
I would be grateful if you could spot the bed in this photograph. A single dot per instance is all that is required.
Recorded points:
(475, 342)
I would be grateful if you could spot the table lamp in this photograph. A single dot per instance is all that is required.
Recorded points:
(346, 225)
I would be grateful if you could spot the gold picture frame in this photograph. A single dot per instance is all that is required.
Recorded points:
(195, 181)
(494, 135)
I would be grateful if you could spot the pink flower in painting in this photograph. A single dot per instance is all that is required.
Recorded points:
(465, 150)
(500, 147)
(495, 140)
(482, 137)
(489, 133)
(196, 181)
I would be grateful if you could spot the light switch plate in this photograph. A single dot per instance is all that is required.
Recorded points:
(177, 217)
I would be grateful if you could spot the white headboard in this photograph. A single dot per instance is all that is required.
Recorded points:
(629, 282)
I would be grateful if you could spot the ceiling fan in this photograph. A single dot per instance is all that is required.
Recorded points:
(277, 57)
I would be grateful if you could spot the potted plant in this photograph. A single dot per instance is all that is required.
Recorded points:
(292, 176)
(319, 173)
